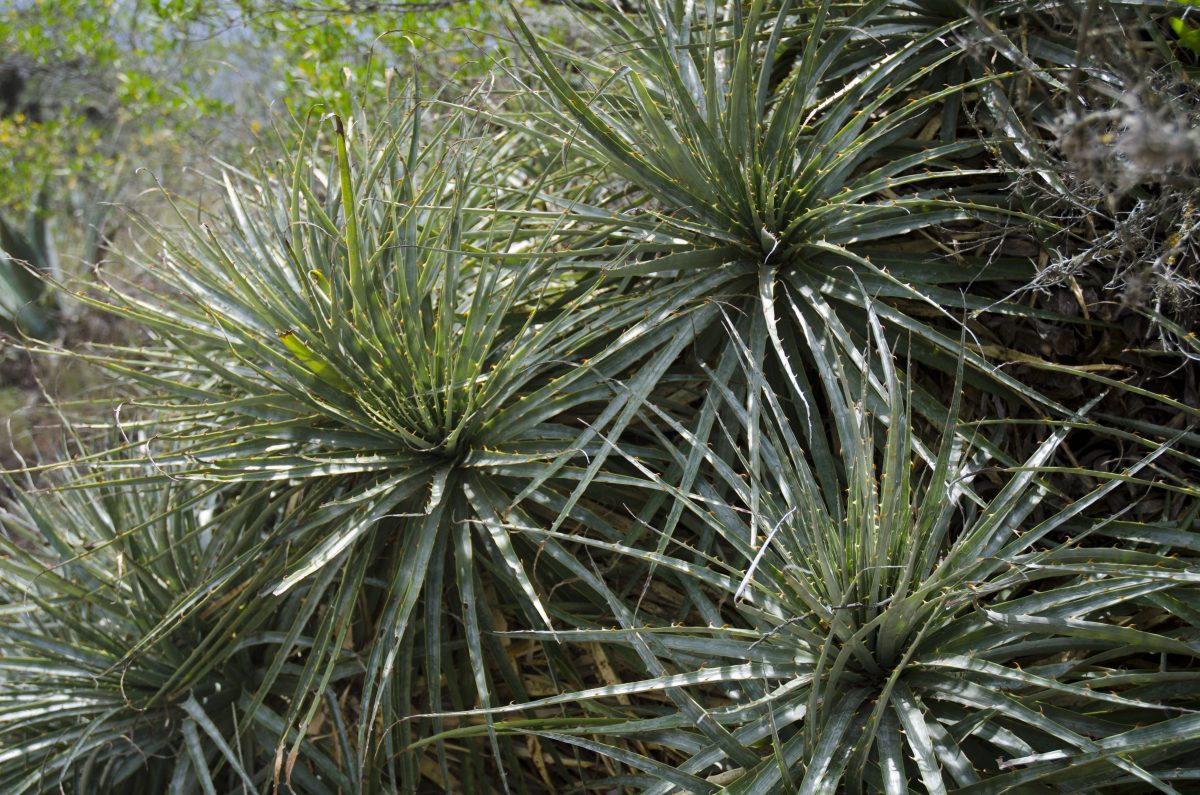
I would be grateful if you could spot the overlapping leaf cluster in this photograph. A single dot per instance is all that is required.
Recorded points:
(630, 433)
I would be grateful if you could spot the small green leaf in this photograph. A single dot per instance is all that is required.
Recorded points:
(316, 365)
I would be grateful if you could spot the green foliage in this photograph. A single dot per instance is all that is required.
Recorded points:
(344, 57)
(1188, 34)
(783, 180)
(770, 166)
(26, 308)
(99, 78)
(547, 436)
(399, 335)
(909, 630)
(31, 145)
(113, 672)
(104, 78)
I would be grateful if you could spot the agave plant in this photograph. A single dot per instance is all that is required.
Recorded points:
(116, 673)
(26, 306)
(428, 402)
(767, 149)
(400, 340)
(767, 172)
(902, 631)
